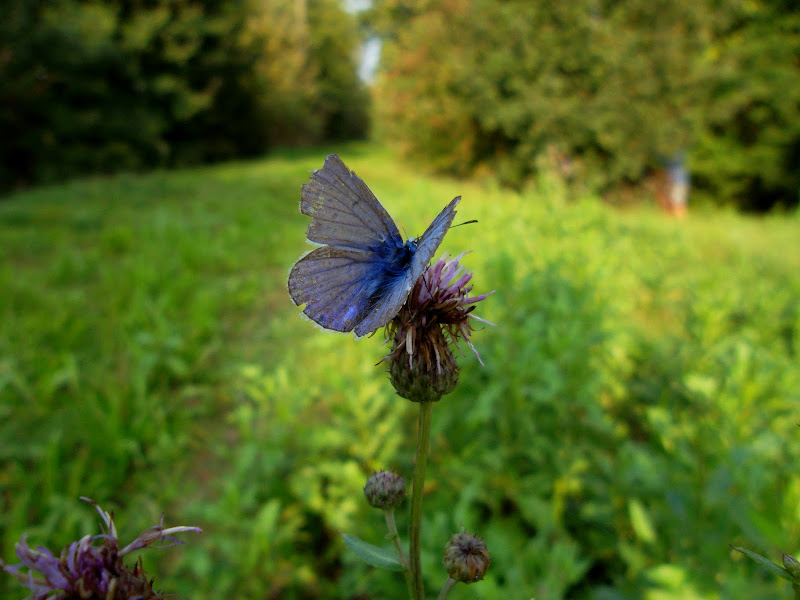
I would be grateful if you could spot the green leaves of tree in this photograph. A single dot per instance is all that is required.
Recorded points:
(515, 87)
(93, 86)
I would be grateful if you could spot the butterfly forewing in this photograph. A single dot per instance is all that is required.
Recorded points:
(434, 234)
(344, 211)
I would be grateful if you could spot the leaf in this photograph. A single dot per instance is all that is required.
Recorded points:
(766, 563)
(377, 557)
(640, 521)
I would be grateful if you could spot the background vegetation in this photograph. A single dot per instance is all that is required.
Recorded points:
(636, 414)
(90, 86)
(637, 411)
(615, 88)
(611, 92)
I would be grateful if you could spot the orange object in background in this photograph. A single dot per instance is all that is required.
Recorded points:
(672, 187)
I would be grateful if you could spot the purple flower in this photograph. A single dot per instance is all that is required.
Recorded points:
(88, 572)
(436, 316)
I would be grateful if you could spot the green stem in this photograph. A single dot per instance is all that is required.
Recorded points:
(424, 434)
(446, 588)
(392, 527)
(394, 536)
(796, 589)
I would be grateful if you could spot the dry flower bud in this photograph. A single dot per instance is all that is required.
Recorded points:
(466, 557)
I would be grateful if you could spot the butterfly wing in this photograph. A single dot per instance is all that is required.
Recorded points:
(335, 284)
(351, 283)
(395, 293)
(344, 212)
(339, 281)
(433, 236)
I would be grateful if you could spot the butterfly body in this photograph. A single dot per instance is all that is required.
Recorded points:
(361, 275)
(395, 260)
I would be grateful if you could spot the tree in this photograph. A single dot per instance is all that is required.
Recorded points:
(91, 86)
(619, 88)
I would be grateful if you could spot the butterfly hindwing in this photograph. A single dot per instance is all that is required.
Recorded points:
(335, 284)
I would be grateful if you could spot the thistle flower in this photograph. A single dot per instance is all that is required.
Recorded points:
(88, 572)
(466, 557)
(385, 489)
(436, 315)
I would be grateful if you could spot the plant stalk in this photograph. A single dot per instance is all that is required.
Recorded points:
(394, 536)
(423, 443)
(392, 527)
(446, 588)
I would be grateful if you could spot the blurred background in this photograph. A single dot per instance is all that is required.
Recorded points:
(635, 171)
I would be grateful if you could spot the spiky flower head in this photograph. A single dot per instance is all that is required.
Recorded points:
(88, 572)
(434, 318)
(385, 489)
(466, 557)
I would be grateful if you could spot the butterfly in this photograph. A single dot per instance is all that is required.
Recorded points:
(362, 274)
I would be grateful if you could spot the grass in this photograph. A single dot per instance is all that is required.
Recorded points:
(636, 413)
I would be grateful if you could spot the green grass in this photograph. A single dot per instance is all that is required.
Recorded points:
(636, 414)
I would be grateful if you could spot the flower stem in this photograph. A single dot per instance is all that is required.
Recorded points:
(446, 588)
(395, 537)
(424, 434)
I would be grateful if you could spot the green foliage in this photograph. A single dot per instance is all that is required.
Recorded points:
(609, 90)
(767, 564)
(749, 147)
(94, 86)
(105, 332)
(636, 414)
(373, 555)
(342, 100)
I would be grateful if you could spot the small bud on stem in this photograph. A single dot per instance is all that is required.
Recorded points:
(466, 557)
(385, 489)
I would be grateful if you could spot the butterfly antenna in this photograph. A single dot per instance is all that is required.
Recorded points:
(464, 223)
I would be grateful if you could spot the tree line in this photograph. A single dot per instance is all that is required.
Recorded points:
(611, 90)
(606, 92)
(91, 86)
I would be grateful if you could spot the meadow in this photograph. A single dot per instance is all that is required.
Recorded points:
(636, 414)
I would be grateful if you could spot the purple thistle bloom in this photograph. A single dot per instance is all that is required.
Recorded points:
(436, 316)
(88, 572)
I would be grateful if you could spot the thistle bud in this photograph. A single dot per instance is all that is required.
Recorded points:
(791, 565)
(385, 489)
(466, 557)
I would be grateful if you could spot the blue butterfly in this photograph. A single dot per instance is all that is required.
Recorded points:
(361, 276)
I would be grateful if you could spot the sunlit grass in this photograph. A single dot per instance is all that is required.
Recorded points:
(640, 379)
